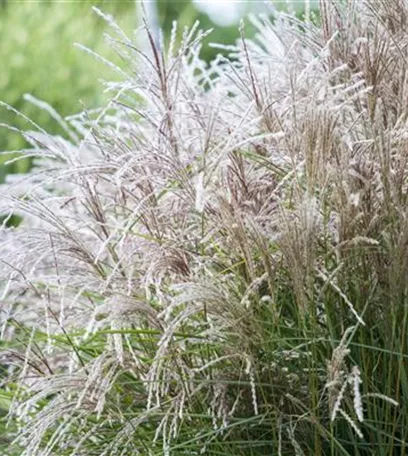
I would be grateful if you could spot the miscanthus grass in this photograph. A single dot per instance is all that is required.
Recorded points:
(216, 262)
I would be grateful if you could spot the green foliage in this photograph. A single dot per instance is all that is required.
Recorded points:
(39, 57)
(185, 13)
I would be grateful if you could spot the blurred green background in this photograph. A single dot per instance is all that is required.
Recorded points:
(38, 55)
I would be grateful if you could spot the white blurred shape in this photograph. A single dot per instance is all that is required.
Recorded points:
(222, 12)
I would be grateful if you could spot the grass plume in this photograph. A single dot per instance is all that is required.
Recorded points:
(215, 263)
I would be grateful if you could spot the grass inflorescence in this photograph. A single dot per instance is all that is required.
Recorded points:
(215, 263)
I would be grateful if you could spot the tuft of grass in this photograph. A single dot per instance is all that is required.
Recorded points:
(214, 263)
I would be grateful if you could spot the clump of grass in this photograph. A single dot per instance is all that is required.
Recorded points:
(215, 262)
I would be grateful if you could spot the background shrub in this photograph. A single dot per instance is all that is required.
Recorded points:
(39, 58)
